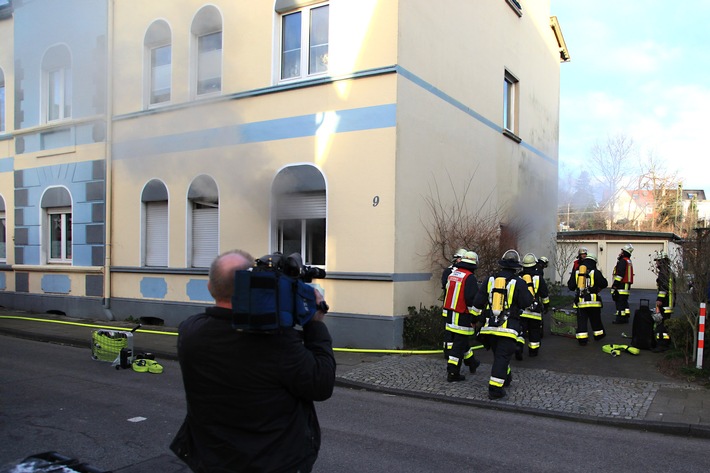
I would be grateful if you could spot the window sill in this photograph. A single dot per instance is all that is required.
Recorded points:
(512, 135)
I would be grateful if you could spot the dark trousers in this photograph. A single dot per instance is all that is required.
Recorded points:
(622, 308)
(532, 332)
(503, 349)
(590, 316)
(457, 349)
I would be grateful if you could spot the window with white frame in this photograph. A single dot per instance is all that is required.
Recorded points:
(300, 213)
(203, 233)
(207, 47)
(2, 101)
(57, 84)
(57, 225)
(60, 240)
(304, 39)
(510, 103)
(158, 51)
(155, 224)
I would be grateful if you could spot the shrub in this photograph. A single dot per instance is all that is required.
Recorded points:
(424, 329)
(681, 332)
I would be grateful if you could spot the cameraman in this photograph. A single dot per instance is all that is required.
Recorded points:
(250, 395)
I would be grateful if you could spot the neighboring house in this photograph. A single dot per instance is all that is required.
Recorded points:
(696, 206)
(635, 207)
(142, 140)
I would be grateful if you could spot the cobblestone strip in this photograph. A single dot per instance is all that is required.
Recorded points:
(598, 396)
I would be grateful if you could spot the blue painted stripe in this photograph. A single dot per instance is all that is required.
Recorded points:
(366, 118)
(464, 108)
(7, 164)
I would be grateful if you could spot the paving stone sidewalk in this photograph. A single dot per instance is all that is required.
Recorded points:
(536, 389)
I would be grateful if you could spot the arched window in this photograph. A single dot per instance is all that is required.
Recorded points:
(203, 233)
(207, 50)
(155, 224)
(57, 222)
(300, 213)
(158, 62)
(56, 83)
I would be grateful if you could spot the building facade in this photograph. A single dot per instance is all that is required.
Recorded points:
(145, 141)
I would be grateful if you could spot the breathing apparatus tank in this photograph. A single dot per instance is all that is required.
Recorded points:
(498, 296)
(582, 277)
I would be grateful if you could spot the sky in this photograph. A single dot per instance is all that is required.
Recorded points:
(639, 69)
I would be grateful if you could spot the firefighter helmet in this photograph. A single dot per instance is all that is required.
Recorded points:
(470, 257)
(628, 248)
(543, 261)
(592, 257)
(529, 260)
(460, 253)
(510, 259)
(582, 251)
(661, 255)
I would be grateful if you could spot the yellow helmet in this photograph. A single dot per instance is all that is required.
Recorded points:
(529, 260)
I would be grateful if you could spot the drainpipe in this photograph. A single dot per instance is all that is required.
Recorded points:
(108, 214)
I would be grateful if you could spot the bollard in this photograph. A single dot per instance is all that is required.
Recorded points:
(701, 337)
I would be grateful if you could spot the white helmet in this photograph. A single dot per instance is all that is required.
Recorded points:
(470, 257)
(628, 248)
(460, 253)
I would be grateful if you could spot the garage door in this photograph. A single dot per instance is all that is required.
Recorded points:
(642, 259)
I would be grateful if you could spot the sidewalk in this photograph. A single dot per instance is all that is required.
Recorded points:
(566, 381)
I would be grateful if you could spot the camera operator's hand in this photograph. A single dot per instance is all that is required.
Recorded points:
(322, 306)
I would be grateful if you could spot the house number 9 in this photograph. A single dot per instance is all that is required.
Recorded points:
(376, 201)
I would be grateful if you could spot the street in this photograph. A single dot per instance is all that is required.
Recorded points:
(55, 397)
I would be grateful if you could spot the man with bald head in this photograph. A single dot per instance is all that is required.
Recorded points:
(250, 395)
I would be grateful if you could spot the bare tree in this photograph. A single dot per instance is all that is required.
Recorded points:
(611, 162)
(454, 225)
(565, 253)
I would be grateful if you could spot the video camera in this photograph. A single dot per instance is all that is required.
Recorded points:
(274, 294)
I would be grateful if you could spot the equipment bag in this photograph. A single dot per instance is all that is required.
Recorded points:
(642, 334)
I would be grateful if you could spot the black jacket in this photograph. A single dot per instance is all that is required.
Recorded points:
(250, 396)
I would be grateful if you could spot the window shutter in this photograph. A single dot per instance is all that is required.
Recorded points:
(156, 234)
(205, 236)
(301, 206)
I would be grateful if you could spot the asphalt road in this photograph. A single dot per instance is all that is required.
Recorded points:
(55, 397)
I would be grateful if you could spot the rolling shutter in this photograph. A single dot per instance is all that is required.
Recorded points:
(156, 234)
(205, 236)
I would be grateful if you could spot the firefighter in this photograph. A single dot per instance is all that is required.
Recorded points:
(621, 287)
(581, 254)
(665, 300)
(461, 289)
(542, 263)
(531, 317)
(503, 297)
(445, 275)
(587, 282)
